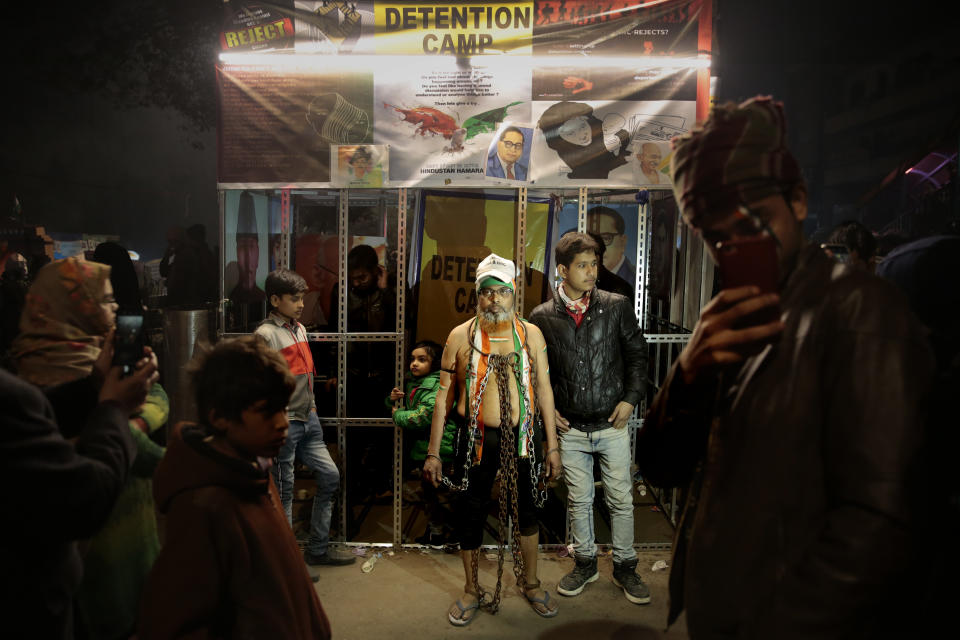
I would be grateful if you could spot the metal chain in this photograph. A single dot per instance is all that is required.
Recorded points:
(538, 481)
(509, 496)
(472, 425)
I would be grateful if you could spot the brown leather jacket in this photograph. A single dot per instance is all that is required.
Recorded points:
(800, 464)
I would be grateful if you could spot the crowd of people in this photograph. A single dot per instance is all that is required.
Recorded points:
(806, 425)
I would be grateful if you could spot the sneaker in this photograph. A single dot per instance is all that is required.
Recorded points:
(625, 576)
(432, 540)
(331, 557)
(584, 571)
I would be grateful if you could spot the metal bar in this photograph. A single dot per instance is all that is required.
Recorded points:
(284, 257)
(365, 337)
(342, 224)
(673, 338)
(582, 210)
(368, 422)
(221, 306)
(674, 269)
(401, 210)
(656, 365)
(520, 251)
(640, 284)
(325, 337)
(342, 358)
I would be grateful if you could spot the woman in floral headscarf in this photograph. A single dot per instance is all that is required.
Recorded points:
(64, 345)
(69, 311)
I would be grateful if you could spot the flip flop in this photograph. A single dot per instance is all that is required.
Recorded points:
(461, 621)
(545, 601)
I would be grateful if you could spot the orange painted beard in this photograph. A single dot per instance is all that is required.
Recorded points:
(496, 322)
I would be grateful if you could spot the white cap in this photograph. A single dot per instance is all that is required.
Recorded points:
(493, 266)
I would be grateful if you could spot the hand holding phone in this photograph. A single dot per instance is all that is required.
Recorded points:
(744, 316)
(128, 342)
(751, 262)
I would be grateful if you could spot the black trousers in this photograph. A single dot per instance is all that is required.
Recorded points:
(474, 503)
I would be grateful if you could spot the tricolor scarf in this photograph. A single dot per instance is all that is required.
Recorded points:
(478, 374)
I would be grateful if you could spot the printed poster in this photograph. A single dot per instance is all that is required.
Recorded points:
(334, 26)
(277, 122)
(256, 26)
(581, 142)
(440, 121)
(360, 166)
(246, 251)
(615, 28)
(453, 245)
(615, 223)
(508, 158)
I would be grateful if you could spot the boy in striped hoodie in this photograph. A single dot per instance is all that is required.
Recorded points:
(283, 332)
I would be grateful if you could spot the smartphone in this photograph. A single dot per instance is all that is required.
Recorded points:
(128, 341)
(751, 261)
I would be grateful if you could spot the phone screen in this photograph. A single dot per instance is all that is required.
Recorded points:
(751, 261)
(128, 342)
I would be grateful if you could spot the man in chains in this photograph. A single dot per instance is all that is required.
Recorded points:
(498, 364)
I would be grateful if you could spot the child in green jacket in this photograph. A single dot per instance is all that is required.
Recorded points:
(414, 415)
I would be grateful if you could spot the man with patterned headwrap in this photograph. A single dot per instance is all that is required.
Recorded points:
(796, 437)
(498, 364)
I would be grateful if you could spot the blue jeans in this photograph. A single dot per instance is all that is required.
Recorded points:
(577, 450)
(305, 441)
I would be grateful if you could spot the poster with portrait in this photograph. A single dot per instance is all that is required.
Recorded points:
(451, 247)
(276, 224)
(584, 142)
(360, 166)
(615, 224)
(246, 252)
(508, 157)
(651, 163)
(444, 116)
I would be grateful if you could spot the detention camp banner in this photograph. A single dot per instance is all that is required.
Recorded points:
(550, 93)
(453, 246)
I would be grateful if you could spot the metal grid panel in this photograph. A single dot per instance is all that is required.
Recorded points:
(342, 422)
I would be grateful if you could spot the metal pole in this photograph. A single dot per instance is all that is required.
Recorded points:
(398, 432)
(342, 358)
(582, 210)
(284, 258)
(521, 248)
(221, 307)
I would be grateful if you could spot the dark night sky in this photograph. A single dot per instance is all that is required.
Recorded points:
(108, 125)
